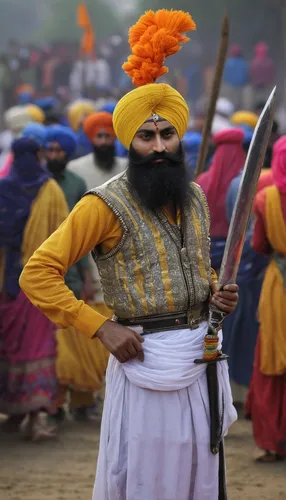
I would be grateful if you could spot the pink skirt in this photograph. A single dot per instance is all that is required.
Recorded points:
(27, 358)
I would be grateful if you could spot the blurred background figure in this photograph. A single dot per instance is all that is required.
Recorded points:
(32, 206)
(266, 404)
(77, 113)
(235, 77)
(223, 112)
(80, 363)
(16, 118)
(262, 73)
(191, 145)
(227, 162)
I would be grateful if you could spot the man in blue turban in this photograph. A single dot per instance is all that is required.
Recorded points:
(60, 147)
(37, 132)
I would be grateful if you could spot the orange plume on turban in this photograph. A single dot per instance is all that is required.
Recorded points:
(154, 37)
(96, 122)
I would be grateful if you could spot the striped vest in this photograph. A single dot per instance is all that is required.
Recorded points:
(157, 267)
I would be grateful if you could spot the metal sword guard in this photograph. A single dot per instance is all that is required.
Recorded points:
(215, 320)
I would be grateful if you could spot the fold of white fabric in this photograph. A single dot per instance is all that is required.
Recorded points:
(155, 428)
(169, 360)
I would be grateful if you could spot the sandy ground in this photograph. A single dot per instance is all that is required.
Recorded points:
(64, 469)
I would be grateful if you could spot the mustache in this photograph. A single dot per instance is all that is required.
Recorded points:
(164, 156)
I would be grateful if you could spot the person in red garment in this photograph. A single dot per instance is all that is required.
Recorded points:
(266, 402)
(227, 162)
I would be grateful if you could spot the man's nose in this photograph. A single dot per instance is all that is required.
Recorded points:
(158, 145)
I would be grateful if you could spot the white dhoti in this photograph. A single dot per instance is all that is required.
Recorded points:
(155, 435)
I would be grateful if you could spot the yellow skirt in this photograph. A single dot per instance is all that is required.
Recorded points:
(81, 362)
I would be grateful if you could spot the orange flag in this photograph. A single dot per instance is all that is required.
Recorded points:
(84, 21)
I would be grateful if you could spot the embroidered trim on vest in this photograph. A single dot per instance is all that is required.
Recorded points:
(118, 247)
(204, 199)
(206, 206)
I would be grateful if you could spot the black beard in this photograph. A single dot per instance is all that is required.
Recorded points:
(56, 167)
(158, 184)
(104, 156)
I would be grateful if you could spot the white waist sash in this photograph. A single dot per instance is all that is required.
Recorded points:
(169, 360)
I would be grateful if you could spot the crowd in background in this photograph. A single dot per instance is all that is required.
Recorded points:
(59, 70)
(54, 87)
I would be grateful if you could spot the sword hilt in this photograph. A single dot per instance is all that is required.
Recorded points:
(211, 339)
(215, 320)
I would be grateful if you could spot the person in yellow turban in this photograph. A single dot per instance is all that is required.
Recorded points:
(78, 111)
(244, 118)
(148, 231)
(36, 113)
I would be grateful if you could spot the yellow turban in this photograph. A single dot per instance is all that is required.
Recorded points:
(36, 113)
(245, 118)
(154, 37)
(78, 111)
(139, 105)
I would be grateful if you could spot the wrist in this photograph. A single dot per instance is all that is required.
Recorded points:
(102, 330)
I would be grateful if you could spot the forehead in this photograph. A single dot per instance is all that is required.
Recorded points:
(160, 125)
(103, 131)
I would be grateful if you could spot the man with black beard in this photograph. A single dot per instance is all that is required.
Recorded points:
(99, 166)
(148, 231)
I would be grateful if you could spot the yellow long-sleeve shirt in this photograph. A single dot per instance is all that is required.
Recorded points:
(91, 223)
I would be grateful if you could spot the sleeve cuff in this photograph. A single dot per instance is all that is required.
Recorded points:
(89, 321)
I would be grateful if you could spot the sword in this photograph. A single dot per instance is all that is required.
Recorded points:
(229, 267)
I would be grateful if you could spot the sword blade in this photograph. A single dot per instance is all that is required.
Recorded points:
(246, 194)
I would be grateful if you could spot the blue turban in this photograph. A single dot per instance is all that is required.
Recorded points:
(64, 136)
(46, 103)
(24, 145)
(25, 98)
(248, 134)
(192, 141)
(35, 131)
(109, 107)
(191, 144)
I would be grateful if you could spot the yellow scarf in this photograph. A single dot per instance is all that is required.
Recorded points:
(48, 211)
(272, 306)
